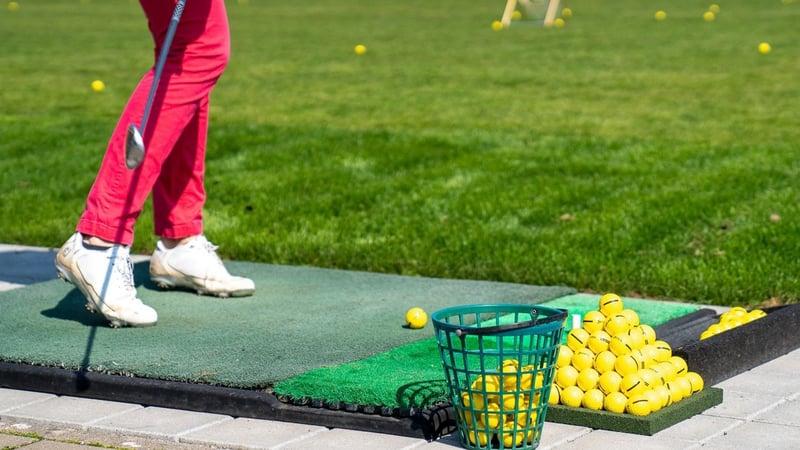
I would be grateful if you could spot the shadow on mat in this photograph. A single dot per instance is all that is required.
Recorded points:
(422, 394)
(73, 305)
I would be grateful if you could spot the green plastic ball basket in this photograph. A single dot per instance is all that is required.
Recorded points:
(499, 361)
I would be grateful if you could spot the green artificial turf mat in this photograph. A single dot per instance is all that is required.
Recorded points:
(299, 319)
(627, 423)
(412, 375)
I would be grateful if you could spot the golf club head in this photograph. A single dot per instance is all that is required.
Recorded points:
(134, 147)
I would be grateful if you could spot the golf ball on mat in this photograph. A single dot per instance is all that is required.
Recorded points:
(416, 318)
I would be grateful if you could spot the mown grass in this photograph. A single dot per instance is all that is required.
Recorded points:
(617, 153)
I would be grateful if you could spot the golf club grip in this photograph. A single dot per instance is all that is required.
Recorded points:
(480, 331)
(162, 59)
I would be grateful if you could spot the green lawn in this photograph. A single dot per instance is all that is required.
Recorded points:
(616, 153)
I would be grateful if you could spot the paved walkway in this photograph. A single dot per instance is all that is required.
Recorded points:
(761, 410)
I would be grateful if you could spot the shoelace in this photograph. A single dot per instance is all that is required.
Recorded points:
(211, 249)
(123, 264)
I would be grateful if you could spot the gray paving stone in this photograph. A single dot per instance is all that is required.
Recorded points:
(601, 439)
(55, 445)
(787, 364)
(349, 439)
(13, 441)
(742, 405)
(555, 434)
(756, 435)
(696, 429)
(767, 381)
(159, 421)
(785, 413)
(444, 443)
(71, 410)
(252, 433)
(11, 399)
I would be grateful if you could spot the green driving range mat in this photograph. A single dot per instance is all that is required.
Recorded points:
(300, 319)
(411, 376)
(646, 425)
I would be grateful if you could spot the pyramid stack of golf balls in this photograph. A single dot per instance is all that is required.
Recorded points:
(615, 363)
(735, 317)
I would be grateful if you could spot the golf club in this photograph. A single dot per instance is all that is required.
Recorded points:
(134, 144)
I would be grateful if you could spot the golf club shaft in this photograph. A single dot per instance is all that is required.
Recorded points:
(162, 59)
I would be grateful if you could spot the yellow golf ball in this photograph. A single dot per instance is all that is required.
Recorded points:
(696, 381)
(360, 49)
(593, 399)
(564, 356)
(582, 359)
(764, 48)
(638, 405)
(648, 333)
(632, 316)
(555, 395)
(588, 378)
(572, 396)
(604, 362)
(577, 339)
(13, 6)
(416, 318)
(566, 376)
(593, 321)
(631, 385)
(98, 86)
(497, 25)
(660, 15)
(609, 382)
(654, 398)
(599, 341)
(709, 16)
(610, 304)
(615, 402)
(680, 365)
(616, 323)
(626, 365)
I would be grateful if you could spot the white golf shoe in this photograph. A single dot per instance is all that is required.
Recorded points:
(196, 266)
(105, 277)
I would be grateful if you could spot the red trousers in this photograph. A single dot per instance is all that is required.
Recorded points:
(175, 139)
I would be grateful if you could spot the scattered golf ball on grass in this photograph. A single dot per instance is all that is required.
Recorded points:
(360, 49)
(13, 6)
(416, 318)
(660, 15)
(98, 86)
(497, 25)
(764, 48)
(709, 16)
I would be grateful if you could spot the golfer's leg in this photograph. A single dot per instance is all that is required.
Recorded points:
(179, 193)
